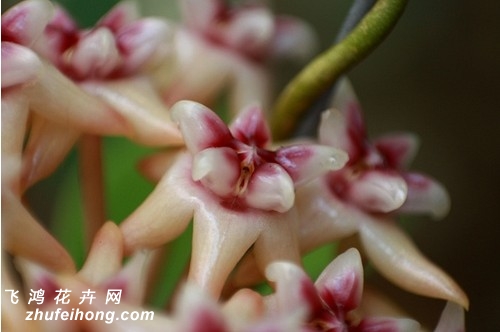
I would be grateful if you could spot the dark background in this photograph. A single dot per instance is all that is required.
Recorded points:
(436, 75)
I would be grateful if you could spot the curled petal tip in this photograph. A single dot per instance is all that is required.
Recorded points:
(426, 195)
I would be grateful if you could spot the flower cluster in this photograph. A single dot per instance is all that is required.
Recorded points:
(256, 206)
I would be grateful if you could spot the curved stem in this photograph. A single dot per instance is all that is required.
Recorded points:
(322, 72)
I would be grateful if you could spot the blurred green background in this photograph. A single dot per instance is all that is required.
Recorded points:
(437, 75)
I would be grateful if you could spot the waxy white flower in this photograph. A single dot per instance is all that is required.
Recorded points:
(362, 197)
(221, 46)
(240, 193)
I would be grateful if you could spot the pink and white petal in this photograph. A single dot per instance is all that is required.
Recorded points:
(105, 256)
(220, 238)
(295, 291)
(270, 189)
(341, 282)
(452, 319)
(25, 22)
(165, 213)
(306, 162)
(244, 307)
(48, 144)
(23, 236)
(57, 98)
(333, 131)
(426, 195)
(249, 31)
(121, 15)
(218, 169)
(293, 38)
(323, 218)
(378, 191)
(398, 149)
(94, 56)
(386, 324)
(133, 278)
(196, 310)
(200, 126)
(20, 65)
(251, 127)
(352, 131)
(398, 259)
(135, 100)
(140, 41)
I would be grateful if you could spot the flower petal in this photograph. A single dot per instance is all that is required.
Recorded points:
(24, 236)
(305, 162)
(294, 289)
(426, 195)
(323, 218)
(136, 101)
(105, 256)
(120, 15)
(452, 319)
(218, 169)
(293, 38)
(165, 213)
(154, 167)
(220, 238)
(378, 191)
(251, 128)
(383, 324)
(200, 127)
(340, 284)
(95, 55)
(24, 22)
(48, 144)
(270, 189)
(397, 258)
(343, 126)
(20, 65)
(398, 149)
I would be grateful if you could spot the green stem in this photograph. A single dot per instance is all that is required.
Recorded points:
(322, 72)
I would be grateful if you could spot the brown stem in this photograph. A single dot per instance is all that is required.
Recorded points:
(92, 185)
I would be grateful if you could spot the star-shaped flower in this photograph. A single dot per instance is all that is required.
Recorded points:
(240, 192)
(226, 46)
(332, 301)
(362, 198)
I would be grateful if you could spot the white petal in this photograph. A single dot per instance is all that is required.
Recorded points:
(397, 258)
(220, 238)
(378, 191)
(426, 195)
(452, 319)
(200, 127)
(270, 189)
(20, 65)
(398, 149)
(95, 55)
(306, 162)
(293, 38)
(136, 101)
(218, 169)
(323, 217)
(120, 15)
(26, 21)
(342, 279)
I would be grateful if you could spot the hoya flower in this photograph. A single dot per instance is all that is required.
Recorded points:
(362, 198)
(102, 271)
(240, 193)
(44, 112)
(332, 301)
(222, 46)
